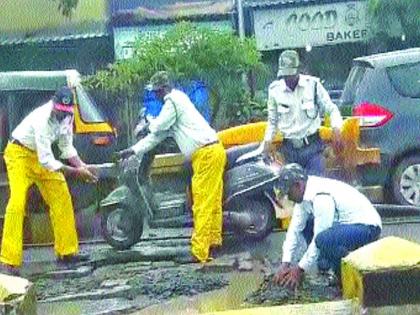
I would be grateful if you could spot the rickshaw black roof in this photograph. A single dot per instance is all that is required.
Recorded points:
(36, 80)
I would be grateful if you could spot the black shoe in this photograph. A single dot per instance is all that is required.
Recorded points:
(186, 259)
(215, 251)
(72, 260)
(9, 270)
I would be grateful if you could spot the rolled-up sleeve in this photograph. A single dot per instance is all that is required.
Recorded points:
(166, 118)
(297, 225)
(324, 209)
(272, 118)
(330, 108)
(44, 151)
(65, 142)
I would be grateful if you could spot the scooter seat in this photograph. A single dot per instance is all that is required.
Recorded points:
(232, 155)
(235, 152)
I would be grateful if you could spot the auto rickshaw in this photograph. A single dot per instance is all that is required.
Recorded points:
(94, 139)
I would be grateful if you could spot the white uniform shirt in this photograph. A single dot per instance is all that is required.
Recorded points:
(180, 119)
(39, 130)
(294, 113)
(330, 202)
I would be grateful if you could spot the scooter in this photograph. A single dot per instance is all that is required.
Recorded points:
(248, 210)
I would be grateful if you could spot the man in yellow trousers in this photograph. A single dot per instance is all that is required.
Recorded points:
(30, 161)
(197, 141)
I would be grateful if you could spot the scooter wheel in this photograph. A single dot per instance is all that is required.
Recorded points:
(121, 227)
(261, 216)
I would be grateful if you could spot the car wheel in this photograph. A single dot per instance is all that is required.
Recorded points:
(121, 227)
(406, 181)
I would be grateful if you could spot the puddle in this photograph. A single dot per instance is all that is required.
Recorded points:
(231, 297)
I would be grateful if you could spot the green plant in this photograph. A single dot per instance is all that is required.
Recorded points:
(249, 109)
(188, 52)
(66, 7)
(395, 18)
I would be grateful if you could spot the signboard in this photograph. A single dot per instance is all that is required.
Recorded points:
(317, 25)
(125, 37)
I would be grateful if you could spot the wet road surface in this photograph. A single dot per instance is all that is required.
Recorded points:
(147, 279)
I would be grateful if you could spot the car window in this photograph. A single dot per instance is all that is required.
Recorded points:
(406, 79)
(352, 84)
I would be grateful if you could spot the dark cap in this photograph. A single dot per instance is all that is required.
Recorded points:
(64, 96)
(289, 175)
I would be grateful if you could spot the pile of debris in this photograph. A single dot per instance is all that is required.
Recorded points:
(314, 288)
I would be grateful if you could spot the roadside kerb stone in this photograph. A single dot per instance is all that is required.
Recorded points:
(385, 272)
(17, 296)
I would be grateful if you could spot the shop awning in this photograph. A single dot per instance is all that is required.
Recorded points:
(285, 3)
(73, 32)
(191, 10)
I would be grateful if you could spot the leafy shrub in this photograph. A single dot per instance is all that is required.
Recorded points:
(189, 52)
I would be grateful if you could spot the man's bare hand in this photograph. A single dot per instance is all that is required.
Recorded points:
(125, 154)
(268, 150)
(288, 276)
(93, 169)
(337, 141)
(293, 278)
(84, 174)
(281, 272)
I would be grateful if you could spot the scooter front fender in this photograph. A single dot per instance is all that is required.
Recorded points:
(120, 195)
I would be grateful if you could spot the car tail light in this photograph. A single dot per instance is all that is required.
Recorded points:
(372, 115)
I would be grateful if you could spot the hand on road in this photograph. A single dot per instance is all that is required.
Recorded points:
(288, 276)
(281, 272)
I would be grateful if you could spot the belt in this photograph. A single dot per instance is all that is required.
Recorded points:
(209, 144)
(17, 142)
(302, 142)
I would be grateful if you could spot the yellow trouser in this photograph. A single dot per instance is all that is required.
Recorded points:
(207, 191)
(24, 170)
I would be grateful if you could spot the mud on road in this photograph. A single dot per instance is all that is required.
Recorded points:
(131, 280)
(138, 285)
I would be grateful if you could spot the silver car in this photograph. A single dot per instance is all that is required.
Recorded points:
(383, 90)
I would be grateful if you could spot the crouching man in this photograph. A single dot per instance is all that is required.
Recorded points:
(344, 220)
